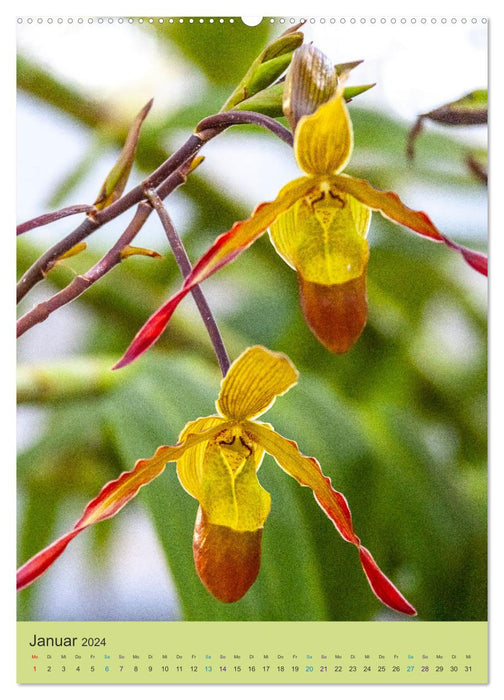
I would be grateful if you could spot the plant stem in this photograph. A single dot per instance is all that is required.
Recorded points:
(82, 282)
(45, 219)
(112, 258)
(39, 268)
(182, 259)
(224, 120)
(207, 129)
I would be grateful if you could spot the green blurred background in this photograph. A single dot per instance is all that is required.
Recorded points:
(399, 423)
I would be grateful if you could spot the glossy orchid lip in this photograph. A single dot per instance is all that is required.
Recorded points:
(319, 222)
(218, 458)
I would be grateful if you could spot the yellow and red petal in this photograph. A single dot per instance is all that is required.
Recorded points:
(224, 250)
(253, 382)
(307, 472)
(111, 499)
(38, 564)
(389, 204)
(227, 560)
(323, 141)
(336, 314)
(323, 236)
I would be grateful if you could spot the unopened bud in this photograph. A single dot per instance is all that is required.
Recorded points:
(267, 67)
(311, 81)
(116, 180)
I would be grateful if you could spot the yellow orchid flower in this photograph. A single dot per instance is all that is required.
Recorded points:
(217, 460)
(318, 223)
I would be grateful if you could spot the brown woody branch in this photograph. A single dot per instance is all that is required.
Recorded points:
(112, 258)
(206, 129)
(45, 219)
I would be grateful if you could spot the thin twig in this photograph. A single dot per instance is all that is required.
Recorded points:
(40, 267)
(45, 219)
(477, 168)
(224, 120)
(182, 259)
(38, 270)
(82, 282)
(112, 258)
(212, 126)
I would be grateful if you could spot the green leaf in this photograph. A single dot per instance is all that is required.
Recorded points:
(343, 69)
(353, 90)
(64, 380)
(37, 81)
(267, 101)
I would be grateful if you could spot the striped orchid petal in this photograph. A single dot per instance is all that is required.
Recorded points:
(111, 499)
(389, 204)
(307, 472)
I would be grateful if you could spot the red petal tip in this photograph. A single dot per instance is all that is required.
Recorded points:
(382, 587)
(152, 329)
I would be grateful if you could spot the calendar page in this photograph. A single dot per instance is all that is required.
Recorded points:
(252, 349)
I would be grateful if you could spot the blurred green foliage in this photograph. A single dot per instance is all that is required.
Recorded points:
(399, 423)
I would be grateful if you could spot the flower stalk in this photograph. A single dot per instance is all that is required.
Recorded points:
(182, 259)
(48, 218)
